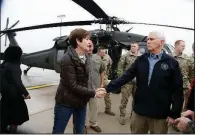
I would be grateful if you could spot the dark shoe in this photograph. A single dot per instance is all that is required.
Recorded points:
(109, 112)
(13, 129)
(96, 128)
(85, 130)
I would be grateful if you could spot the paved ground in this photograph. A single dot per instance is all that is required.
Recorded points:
(41, 105)
(41, 114)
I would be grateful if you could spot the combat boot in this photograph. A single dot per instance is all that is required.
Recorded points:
(96, 128)
(109, 112)
(122, 120)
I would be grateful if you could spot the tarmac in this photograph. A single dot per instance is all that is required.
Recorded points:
(42, 86)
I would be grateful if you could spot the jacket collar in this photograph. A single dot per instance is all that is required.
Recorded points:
(164, 55)
(71, 51)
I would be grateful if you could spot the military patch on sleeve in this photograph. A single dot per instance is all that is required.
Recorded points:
(164, 66)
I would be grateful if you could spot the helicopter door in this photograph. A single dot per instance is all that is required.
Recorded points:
(58, 56)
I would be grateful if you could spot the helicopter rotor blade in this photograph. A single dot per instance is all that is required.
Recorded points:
(129, 29)
(88, 22)
(14, 24)
(7, 23)
(9, 28)
(6, 39)
(161, 25)
(92, 8)
(3, 33)
(51, 25)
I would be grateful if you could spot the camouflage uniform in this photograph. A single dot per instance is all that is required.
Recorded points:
(108, 63)
(125, 62)
(184, 63)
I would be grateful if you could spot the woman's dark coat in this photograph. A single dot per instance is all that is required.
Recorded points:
(14, 109)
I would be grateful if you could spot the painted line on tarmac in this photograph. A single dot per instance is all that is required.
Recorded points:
(40, 86)
(41, 111)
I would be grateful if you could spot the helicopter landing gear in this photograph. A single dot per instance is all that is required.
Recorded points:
(25, 71)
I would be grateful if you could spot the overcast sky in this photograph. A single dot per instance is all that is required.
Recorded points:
(35, 12)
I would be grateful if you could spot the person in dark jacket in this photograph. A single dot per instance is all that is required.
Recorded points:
(73, 92)
(14, 110)
(159, 85)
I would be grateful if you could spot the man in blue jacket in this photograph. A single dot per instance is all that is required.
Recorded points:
(158, 98)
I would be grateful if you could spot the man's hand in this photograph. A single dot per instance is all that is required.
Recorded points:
(100, 92)
(27, 97)
(100, 89)
(188, 113)
(182, 123)
(171, 121)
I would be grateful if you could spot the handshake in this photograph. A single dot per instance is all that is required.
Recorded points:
(100, 92)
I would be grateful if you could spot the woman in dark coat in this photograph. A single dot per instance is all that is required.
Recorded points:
(14, 109)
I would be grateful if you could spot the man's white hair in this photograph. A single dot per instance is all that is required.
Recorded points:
(159, 35)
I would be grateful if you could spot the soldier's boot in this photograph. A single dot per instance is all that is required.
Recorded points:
(96, 128)
(122, 120)
(109, 112)
(108, 105)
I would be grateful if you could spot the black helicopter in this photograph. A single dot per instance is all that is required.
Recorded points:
(112, 39)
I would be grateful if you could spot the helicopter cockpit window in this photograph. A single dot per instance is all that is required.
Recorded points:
(60, 54)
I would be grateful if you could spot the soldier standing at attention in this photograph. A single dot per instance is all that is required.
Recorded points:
(128, 89)
(107, 62)
(184, 64)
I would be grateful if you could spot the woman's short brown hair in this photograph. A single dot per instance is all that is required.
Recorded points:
(79, 34)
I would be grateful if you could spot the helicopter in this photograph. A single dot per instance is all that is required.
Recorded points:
(112, 39)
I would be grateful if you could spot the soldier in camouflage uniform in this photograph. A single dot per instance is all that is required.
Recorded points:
(107, 62)
(184, 63)
(125, 62)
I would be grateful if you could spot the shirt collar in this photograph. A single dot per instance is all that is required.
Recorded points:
(180, 55)
(81, 56)
(138, 53)
(156, 56)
